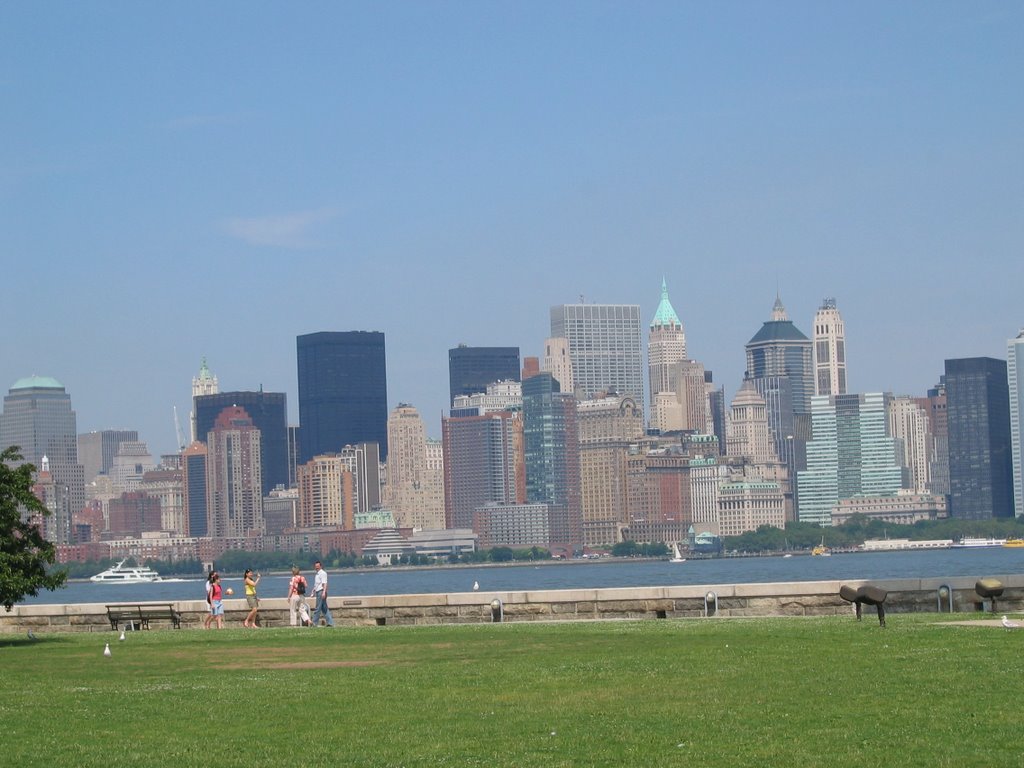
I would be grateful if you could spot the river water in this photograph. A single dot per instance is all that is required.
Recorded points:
(944, 563)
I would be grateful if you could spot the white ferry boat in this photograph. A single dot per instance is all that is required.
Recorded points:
(968, 542)
(122, 574)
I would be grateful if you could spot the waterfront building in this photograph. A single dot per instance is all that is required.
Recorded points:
(608, 426)
(851, 454)
(194, 481)
(234, 478)
(415, 473)
(558, 363)
(657, 495)
(343, 392)
(38, 418)
(471, 369)
(1015, 382)
(552, 457)
(747, 502)
(96, 450)
(326, 495)
(203, 384)
(604, 347)
(980, 460)
(483, 462)
(513, 525)
(829, 350)
(905, 508)
(269, 414)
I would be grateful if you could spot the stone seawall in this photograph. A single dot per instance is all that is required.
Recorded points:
(810, 598)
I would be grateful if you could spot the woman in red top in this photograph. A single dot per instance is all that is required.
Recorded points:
(216, 606)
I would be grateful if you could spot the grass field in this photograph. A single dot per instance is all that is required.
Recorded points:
(733, 692)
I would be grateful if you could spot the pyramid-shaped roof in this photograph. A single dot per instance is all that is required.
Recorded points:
(666, 315)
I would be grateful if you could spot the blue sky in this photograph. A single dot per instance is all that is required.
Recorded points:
(186, 180)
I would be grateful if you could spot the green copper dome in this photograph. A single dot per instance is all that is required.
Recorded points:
(666, 315)
(37, 382)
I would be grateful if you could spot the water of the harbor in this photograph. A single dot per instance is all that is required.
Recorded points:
(975, 563)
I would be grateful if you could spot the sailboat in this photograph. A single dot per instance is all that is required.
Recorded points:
(677, 556)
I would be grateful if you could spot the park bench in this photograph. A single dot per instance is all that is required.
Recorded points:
(139, 615)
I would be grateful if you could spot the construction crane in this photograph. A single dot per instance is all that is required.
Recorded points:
(177, 430)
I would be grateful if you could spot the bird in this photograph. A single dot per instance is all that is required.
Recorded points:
(122, 635)
(106, 650)
(32, 636)
(1010, 624)
(476, 585)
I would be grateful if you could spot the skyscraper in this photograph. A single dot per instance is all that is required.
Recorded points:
(326, 495)
(666, 345)
(980, 460)
(203, 384)
(780, 349)
(1015, 380)
(343, 392)
(471, 369)
(604, 346)
(96, 450)
(38, 418)
(829, 350)
(415, 477)
(194, 479)
(233, 476)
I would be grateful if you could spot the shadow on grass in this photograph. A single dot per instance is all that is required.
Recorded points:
(17, 641)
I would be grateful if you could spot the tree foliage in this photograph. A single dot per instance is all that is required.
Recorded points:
(24, 553)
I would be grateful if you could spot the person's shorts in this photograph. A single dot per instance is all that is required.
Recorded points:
(253, 601)
(217, 608)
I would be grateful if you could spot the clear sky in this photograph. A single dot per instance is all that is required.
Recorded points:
(180, 180)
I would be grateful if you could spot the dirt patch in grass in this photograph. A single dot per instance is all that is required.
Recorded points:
(250, 663)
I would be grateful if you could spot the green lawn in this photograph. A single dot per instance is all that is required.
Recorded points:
(732, 692)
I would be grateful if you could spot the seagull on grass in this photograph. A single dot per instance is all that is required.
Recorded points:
(1010, 624)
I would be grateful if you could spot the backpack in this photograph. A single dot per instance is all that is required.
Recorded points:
(300, 586)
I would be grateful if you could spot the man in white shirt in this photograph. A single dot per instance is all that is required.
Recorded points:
(320, 593)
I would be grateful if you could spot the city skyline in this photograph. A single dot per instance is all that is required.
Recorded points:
(446, 175)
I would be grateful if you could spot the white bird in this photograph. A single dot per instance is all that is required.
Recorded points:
(106, 650)
(1010, 624)
(122, 635)
(476, 585)
(32, 635)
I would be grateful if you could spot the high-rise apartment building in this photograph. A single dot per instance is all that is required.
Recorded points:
(666, 346)
(980, 460)
(829, 350)
(604, 346)
(1015, 381)
(269, 414)
(96, 450)
(234, 479)
(38, 418)
(851, 454)
(471, 369)
(938, 470)
(552, 455)
(203, 384)
(343, 392)
(415, 477)
(326, 493)
(558, 363)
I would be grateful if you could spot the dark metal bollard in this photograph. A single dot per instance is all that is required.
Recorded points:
(989, 589)
(944, 595)
(497, 610)
(866, 595)
(710, 603)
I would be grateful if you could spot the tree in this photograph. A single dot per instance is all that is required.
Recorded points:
(24, 553)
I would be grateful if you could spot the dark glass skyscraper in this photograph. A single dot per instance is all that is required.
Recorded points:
(269, 414)
(471, 369)
(343, 392)
(978, 416)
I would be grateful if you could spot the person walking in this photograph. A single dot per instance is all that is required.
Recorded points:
(251, 599)
(209, 601)
(296, 596)
(320, 592)
(216, 600)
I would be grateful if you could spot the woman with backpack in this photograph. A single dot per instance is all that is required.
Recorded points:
(297, 597)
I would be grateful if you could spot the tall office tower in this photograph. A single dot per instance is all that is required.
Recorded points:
(234, 479)
(716, 404)
(780, 349)
(280, 510)
(552, 455)
(607, 428)
(938, 469)
(203, 384)
(483, 463)
(604, 346)
(134, 513)
(326, 493)
(194, 480)
(1015, 380)
(666, 346)
(167, 486)
(748, 434)
(531, 367)
(293, 455)
(980, 460)
(851, 454)
(910, 425)
(558, 363)
(130, 463)
(829, 350)
(415, 484)
(38, 418)
(58, 526)
(96, 450)
(343, 392)
(471, 369)
(363, 461)
(268, 411)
